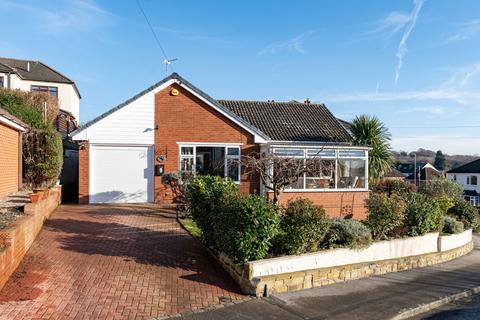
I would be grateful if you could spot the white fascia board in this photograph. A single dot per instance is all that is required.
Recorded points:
(305, 144)
(11, 124)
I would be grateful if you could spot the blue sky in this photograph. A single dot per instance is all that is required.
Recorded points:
(414, 64)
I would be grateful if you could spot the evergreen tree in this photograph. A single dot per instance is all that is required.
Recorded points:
(440, 161)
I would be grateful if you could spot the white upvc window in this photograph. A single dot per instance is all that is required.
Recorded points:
(331, 169)
(211, 159)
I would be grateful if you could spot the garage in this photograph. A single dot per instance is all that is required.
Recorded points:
(121, 174)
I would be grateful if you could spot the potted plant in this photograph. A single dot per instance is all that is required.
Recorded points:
(36, 197)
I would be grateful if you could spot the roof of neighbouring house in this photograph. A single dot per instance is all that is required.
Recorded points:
(291, 121)
(471, 167)
(471, 193)
(394, 173)
(277, 121)
(7, 115)
(38, 71)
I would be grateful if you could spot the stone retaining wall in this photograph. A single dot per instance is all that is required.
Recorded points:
(16, 239)
(274, 280)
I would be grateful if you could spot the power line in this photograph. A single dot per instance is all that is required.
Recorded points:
(153, 32)
(435, 127)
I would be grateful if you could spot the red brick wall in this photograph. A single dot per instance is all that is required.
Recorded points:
(83, 171)
(185, 118)
(17, 238)
(337, 204)
(9, 160)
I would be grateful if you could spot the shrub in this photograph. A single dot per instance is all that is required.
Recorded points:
(43, 157)
(402, 188)
(206, 197)
(445, 203)
(303, 227)
(423, 214)
(452, 225)
(385, 214)
(466, 213)
(442, 188)
(347, 233)
(245, 228)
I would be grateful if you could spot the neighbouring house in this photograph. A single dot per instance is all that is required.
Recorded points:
(393, 174)
(174, 126)
(11, 130)
(467, 176)
(35, 76)
(424, 174)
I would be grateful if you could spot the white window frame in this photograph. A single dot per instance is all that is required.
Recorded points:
(227, 157)
(336, 158)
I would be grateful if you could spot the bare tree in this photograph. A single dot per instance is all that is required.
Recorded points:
(278, 172)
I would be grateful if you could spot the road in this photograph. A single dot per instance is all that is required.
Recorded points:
(466, 309)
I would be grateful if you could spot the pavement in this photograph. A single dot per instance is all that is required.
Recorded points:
(114, 262)
(391, 296)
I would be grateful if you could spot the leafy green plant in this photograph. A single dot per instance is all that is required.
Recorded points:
(246, 227)
(452, 225)
(385, 214)
(466, 213)
(442, 188)
(303, 227)
(423, 214)
(347, 233)
(370, 131)
(207, 196)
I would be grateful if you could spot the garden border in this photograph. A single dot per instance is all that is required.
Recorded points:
(281, 277)
(17, 238)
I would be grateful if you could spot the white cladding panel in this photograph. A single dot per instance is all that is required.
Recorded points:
(121, 174)
(132, 124)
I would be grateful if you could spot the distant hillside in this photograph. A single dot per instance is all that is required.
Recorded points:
(404, 160)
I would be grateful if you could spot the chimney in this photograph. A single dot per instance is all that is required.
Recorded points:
(28, 66)
(307, 101)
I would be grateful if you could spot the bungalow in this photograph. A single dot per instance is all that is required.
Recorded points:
(467, 176)
(174, 126)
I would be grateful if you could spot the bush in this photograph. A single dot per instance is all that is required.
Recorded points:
(442, 188)
(385, 214)
(423, 214)
(207, 195)
(397, 187)
(466, 213)
(445, 203)
(42, 156)
(246, 227)
(303, 227)
(452, 225)
(347, 233)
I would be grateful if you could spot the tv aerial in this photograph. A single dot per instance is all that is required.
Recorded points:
(167, 63)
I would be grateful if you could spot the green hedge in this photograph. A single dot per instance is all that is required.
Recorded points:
(423, 214)
(385, 214)
(348, 233)
(303, 228)
(466, 213)
(240, 226)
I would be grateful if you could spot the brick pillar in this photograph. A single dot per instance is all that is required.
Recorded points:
(83, 172)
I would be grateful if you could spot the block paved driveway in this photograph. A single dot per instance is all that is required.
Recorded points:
(113, 262)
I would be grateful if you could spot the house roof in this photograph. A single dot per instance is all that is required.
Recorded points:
(394, 173)
(278, 121)
(291, 121)
(6, 115)
(175, 77)
(471, 193)
(471, 167)
(38, 71)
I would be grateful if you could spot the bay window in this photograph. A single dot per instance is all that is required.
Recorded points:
(327, 169)
(223, 161)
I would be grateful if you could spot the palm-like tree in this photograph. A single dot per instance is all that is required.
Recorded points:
(370, 131)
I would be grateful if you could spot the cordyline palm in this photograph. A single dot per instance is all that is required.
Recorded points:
(370, 131)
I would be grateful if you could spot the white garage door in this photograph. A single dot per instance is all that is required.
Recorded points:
(121, 174)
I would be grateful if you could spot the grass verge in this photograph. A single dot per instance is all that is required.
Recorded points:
(191, 227)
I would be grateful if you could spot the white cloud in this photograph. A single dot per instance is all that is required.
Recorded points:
(461, 77)
(391, 24)
(420, 110)
(67, 16)
(294, 44)
(435, 94)
(402, 46)
(466, 32)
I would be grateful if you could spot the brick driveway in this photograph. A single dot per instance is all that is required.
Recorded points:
(113, 262)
